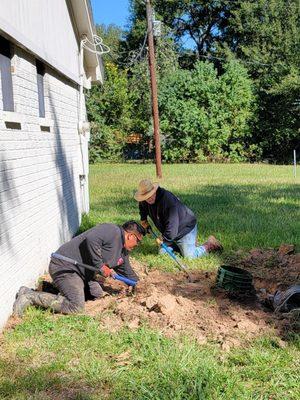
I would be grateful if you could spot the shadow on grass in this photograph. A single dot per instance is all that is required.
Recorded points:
(43, 382)
(242, 216)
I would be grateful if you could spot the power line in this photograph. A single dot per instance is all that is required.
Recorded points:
(139, 55)
(134, 56)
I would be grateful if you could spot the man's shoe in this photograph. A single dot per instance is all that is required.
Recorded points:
(212, 245)
(27, 297)
(23, 301)
(23, 290)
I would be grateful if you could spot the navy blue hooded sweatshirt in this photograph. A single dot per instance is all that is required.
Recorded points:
(171, 217)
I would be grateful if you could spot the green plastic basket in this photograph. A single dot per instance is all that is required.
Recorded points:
(234, 279)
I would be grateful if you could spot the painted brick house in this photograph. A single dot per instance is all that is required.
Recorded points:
(43, 133)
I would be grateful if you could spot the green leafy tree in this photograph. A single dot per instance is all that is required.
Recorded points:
(279, 128)
(108, 104)
(266, 36)
(263, 34)
(109, 112)
(202, 21)
(204, 116)
(122, 106)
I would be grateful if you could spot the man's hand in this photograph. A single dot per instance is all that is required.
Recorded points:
(146, 226)
(159, 241)
(106, 271)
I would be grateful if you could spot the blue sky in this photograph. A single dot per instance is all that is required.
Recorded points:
(117, 12)
(111, 12)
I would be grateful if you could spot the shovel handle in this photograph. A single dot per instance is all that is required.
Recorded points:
(129, 282)
(171, 254)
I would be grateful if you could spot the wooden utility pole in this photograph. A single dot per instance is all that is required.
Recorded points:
(153, 89)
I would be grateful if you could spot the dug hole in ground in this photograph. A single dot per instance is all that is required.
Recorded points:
(172, 304)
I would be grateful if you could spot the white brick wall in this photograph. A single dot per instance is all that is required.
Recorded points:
(40, 200)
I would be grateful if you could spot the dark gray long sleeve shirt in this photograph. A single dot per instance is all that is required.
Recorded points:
(103, 244)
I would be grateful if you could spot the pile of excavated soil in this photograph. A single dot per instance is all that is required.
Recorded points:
(272, 269)
(172, 304)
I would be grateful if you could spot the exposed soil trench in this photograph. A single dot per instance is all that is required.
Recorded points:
(172, 304)
(169, 302)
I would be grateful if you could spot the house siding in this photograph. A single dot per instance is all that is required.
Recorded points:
(40, 192)
(45, 28)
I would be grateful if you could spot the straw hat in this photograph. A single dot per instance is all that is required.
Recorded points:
(145, 190)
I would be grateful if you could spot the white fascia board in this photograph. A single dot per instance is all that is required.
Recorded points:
(27, 44)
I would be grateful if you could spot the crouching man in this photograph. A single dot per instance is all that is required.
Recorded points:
(105, 247)
(176, 222)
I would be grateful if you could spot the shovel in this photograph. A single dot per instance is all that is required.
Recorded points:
(181, 266)
(129, 282)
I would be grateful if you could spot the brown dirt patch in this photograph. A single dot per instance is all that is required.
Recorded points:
(272, 269)
(172, 304)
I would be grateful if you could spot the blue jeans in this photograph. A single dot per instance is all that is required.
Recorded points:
(187, 246)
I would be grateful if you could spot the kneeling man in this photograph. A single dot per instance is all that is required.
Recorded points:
(105, 247)
(176, 222)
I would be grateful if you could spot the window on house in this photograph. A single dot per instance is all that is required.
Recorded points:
(40, 70)
(6, 79)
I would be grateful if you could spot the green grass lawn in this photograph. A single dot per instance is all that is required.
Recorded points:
(72, 357)
(245, 206)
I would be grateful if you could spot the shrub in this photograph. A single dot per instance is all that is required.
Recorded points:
(205, 115)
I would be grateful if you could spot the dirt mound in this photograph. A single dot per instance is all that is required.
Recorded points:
(272, 269)
(172, 304)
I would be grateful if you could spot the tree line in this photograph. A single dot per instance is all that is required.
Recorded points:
(228, 83)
